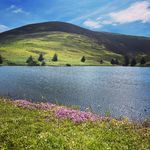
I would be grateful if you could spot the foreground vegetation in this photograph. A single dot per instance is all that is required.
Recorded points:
(25, 125)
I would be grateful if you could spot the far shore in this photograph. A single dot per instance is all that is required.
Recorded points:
(84, 65)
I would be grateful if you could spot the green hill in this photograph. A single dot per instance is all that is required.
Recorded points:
(70, 42)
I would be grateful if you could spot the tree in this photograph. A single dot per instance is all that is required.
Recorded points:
(133, 62)
(101, 61)
(31, 62)
(112, 61)
(83, 59)
(41, 58)
(55, 57)
(116, 61)
(30, 59)
(142, 62)
(126, 61)
(69, 65)
(1, 59)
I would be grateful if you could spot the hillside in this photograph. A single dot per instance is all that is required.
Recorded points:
(70, 42)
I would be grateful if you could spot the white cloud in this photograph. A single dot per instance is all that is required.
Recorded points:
(92, 24)
(12, 6)
(3, 28)
(91, 14)
(138, 11)
(17, 10)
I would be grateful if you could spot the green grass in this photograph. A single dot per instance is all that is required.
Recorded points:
(42, 130)
(69, 47)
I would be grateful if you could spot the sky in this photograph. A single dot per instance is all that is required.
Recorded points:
(130, 17)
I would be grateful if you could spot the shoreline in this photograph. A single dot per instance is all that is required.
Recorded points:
(48, 106)
(19, 65)
(27, 125)
(60, 111)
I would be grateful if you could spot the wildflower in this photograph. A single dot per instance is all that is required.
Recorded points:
(76, 116)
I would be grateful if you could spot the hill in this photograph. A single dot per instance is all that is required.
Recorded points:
(70, 42)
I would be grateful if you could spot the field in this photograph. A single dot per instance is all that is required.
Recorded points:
(69, 47)
(24, 126)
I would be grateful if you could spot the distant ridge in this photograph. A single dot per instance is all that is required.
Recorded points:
(118, 43)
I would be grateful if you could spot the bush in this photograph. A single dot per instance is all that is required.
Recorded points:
(55, 57)
(30, 59)
(9, 63)
(126, 61)
(101, 61)
(112, 61)
(31, 62)
(83, 59)
(69, 65)
(41, 58)
(142, 62)
(116, 61)
(1, 59)
(133, 62)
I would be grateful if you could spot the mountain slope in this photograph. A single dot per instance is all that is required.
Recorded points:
(69, 47)
(70, 42)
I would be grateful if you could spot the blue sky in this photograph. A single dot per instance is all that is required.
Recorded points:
(119, 16)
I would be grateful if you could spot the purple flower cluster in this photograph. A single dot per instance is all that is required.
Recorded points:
(30, 105)
(23, 104)
(76, 116)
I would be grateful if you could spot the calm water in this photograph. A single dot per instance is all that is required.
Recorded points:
(123, 91)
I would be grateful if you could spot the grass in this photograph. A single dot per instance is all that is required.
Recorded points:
(69, 47)
(26, 128)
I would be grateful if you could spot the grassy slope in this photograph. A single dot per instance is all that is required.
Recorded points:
(69, 47)
(36, 129)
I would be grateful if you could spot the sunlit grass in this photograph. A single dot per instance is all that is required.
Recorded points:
(69, 47)
(23, 128)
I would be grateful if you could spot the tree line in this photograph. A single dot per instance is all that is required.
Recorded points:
(127, 61)
(113, 61)
(31, 62)
(133, 61)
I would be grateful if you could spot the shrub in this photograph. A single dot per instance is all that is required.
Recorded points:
(9, 63)
(116, 61)
(55, 57)
(29, 59)
(41, 58)
(83, 59)
(142, 62)
(133, 62)
(126, 61)
(69, 65)
(101, 61)
(112, 61)
(31, 62)
(1, 59)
